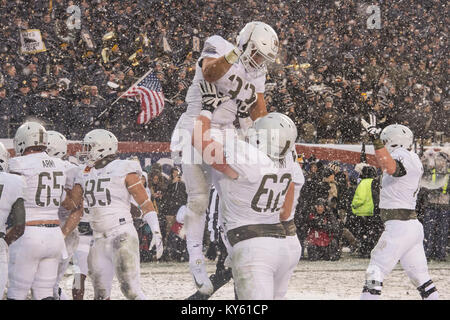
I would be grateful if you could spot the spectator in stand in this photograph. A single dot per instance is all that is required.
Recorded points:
(322, 240)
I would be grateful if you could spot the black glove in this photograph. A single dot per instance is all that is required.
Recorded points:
(211, 98)
(243, 106)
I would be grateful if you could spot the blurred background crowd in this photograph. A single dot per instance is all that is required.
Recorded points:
(337, 61)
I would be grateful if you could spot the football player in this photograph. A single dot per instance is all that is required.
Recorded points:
(107, 185)
(11, 205)
(239, 72)
(57, 147)
(402, 238)
(252, 191)
(34, 257)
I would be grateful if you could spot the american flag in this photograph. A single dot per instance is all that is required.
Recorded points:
(149, 91)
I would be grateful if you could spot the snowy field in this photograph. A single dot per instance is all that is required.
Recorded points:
(318, 280)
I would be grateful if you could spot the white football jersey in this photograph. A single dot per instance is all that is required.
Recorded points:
(257, 196)
(45, 179)
(291, 165)
(236, 83)
(106, 195)
(401, 192)
(11, 188)
(71, 173)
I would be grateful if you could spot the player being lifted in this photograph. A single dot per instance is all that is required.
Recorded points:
(107, 185)
(11, 206)
(239, 72)
(34, 257)
(402, 238)
(252, 187)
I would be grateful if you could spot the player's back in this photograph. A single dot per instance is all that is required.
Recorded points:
(11, 189)
(401, 192)
(257, 196)
(106, 194)
(45, 178)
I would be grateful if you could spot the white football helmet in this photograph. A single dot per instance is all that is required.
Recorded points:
(57, 144)
(259, 45)
(275, 134)
(98, 144)
(4, 158)
(395, 136)
(30, 134)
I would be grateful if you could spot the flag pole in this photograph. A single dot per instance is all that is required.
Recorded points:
(109, 107)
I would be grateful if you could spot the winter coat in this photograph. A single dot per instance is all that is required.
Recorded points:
(322, 229)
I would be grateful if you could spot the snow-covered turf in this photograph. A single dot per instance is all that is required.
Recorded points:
(319, 280)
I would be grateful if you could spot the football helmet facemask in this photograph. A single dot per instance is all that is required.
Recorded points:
(259, 45)
(97, 144)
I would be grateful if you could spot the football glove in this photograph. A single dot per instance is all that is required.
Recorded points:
(371, 127)
(157, 243)
(243, 106)
(211, 98)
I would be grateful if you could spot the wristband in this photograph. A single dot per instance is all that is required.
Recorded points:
(378, 144)
(152, 220)
(232, 56)
(206, 113)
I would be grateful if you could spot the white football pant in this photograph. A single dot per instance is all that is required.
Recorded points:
(295, 252)
(117, 253)
(71, 242)
(33, 262)
(400, 241)
(198, 185)
(3, 266)
(259, 268)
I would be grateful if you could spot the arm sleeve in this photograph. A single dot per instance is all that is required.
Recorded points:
(214, 47)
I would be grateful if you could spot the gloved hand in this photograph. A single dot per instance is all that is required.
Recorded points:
(157, 243)
(211, 98)
(373, 131)
(371, 127)
(243, 106)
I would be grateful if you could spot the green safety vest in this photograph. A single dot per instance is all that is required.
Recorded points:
(362, 204)
(444, 188)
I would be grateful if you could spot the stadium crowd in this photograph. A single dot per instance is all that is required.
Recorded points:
(332, 66)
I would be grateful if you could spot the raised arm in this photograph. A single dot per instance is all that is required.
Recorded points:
(382, 155)
(215, 68)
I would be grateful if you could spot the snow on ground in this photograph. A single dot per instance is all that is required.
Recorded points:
(317, 280)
